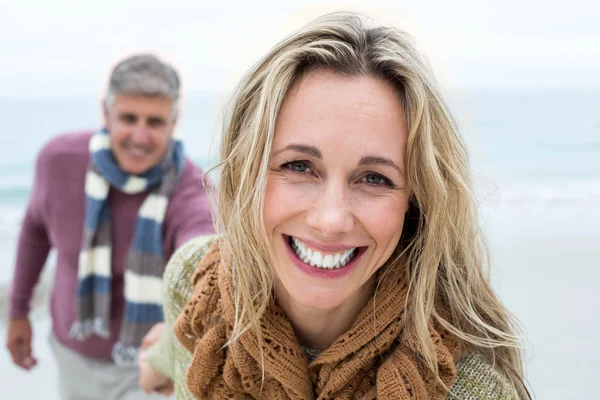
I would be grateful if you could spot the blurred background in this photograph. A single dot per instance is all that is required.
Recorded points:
(523, 78)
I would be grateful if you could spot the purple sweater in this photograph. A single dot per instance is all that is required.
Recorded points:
(55, 219)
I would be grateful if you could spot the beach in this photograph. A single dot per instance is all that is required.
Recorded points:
(551, 285)
(537, 177)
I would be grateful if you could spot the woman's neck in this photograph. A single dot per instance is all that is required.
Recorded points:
(319, 328)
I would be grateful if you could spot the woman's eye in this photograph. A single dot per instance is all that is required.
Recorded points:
(297, 166)
(376, 180)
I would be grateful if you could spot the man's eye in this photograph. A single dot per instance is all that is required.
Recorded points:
(128, 118)
(156, 122)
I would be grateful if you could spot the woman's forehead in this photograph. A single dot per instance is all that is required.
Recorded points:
(327, 109)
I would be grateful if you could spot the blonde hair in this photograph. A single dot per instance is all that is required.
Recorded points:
(441, 248)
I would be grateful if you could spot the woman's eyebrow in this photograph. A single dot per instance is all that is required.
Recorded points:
(375, 160)
(301, 148)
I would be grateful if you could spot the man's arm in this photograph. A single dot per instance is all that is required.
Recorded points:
(34, 244)
(32, 252)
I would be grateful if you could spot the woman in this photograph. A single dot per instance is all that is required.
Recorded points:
(349, 262)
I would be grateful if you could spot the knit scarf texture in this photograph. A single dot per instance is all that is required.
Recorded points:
(145, 262)
(368, 361)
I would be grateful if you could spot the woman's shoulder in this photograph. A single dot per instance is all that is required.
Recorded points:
(180, 269)
(477, 379)
(190, 254)
(193, 250)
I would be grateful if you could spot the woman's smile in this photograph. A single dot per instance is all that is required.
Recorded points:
(323, 262)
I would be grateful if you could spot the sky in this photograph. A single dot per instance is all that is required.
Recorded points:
(67, 48)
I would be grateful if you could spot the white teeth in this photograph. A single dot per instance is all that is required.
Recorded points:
(346, 254)
(316, 259)
(328, 261)
(336, 261)
(302, 251)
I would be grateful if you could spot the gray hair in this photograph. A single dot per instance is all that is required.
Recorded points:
(145, 75)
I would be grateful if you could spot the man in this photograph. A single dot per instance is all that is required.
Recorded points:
(115, 204)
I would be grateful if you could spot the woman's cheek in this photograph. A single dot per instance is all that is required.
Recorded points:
(298, 193)
(285, 197)
(380, 210)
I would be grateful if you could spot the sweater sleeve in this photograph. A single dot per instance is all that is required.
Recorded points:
(166, 355)
(477, 379)
(161, 355)
(34, 243)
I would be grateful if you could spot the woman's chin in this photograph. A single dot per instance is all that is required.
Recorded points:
(314, 297)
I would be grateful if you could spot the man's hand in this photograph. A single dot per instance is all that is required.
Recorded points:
(18, 342)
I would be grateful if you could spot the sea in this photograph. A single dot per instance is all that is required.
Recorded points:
(535, 157)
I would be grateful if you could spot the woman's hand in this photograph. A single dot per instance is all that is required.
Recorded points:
(151, 380)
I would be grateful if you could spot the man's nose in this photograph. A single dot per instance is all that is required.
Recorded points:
(141, 133)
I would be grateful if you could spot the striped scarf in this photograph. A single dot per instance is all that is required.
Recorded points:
(145, 262)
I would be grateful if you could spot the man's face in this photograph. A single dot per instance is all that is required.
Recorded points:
(140, 129)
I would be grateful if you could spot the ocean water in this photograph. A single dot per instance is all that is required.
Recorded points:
(536, 159)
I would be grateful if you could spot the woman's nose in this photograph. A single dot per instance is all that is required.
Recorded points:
(330, 215)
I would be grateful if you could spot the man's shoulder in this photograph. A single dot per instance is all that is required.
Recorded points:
(66, 145)
(191, 174)
(192, 183)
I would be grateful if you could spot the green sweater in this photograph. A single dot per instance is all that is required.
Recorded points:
(475, 379)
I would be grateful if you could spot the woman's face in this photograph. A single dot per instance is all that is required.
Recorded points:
(337, 191)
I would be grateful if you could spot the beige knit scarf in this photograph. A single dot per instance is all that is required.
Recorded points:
(366, 362)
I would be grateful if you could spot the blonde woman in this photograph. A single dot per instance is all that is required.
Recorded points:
(349, 263)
